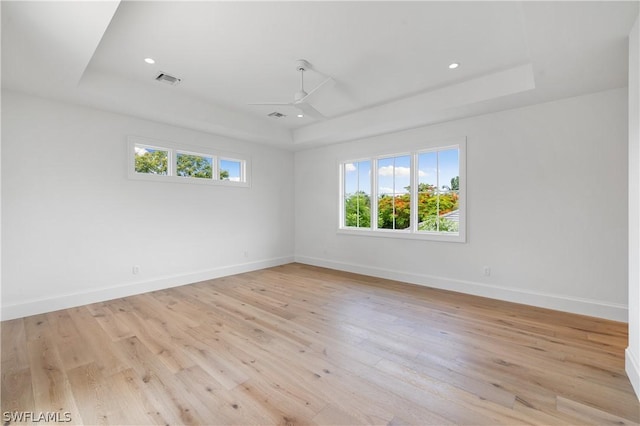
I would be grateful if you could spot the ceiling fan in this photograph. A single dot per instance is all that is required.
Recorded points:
(301, 98)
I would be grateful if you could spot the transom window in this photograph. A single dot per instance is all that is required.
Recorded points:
(231, 170)
(191, 165)
(157, 161)
(151, 160)
(418, 194)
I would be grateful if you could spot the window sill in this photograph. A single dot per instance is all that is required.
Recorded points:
(404, 234)
(186, 180)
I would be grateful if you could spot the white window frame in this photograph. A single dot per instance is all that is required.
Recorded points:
(173, 150)
(170, 160)
(197, 154)
(341, 216)
(374, 176)
(243, 167)
(412, 231)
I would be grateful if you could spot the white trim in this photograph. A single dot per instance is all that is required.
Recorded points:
(632, 368)
(414, 178)
(373, 209)
(241, 162)
(70, 300)
(590, 307)
(402, 233)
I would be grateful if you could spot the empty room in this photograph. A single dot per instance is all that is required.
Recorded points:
(323, 213)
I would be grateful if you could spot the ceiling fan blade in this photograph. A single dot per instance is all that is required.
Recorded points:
(270, 103)
(315, 89)
(309, 110)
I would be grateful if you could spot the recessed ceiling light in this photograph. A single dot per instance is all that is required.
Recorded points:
(149, 60)
(300, 115)
(454, 65)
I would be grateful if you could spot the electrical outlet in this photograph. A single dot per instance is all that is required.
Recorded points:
(487, 271)
(135, 270)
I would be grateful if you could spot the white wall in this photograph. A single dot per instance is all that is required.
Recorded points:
(547, 208)
(633, 351)
(74, 225)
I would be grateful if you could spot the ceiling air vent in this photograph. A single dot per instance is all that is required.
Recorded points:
(166, 78)
(276, 114)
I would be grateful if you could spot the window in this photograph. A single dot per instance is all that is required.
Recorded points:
(357, 194)
(151, 160)
(394, 198)
(196, 166)
(161, 161)
(419, 194)
(231, 170)
(438, 191)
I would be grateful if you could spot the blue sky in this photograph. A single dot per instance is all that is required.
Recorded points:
(357, 177)
(435, 168)
(233, 167)
(446, 162)
(142, 151)
(394, 175)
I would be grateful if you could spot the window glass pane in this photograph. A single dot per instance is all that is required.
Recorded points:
(194, 166)
(449, 169)
(150, 160)
(427, 170)
(438, 191)
(394, 200)
(231, 170)
(428, 199)
(385, 176)
(357, 194)
(402, 175)
(364, 177)
(449, 179)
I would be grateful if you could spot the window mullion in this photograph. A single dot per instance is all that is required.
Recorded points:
(357, 194)
(438, 191)
(171, 162)
(413, 193)
(393, 194)
(215, 167)
(343, 203)
(374, 193)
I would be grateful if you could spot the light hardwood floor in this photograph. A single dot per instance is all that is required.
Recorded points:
(302, 345)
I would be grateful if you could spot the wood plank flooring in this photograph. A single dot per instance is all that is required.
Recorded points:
(303, 345)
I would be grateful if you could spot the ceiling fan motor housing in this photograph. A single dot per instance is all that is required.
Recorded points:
(302, 65)
(299, 95)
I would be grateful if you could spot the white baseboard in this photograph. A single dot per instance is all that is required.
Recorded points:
(632, 368)
(64, 301)
(545, 300)
(594, 308)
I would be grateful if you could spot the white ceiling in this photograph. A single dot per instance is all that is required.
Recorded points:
(389, 60)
